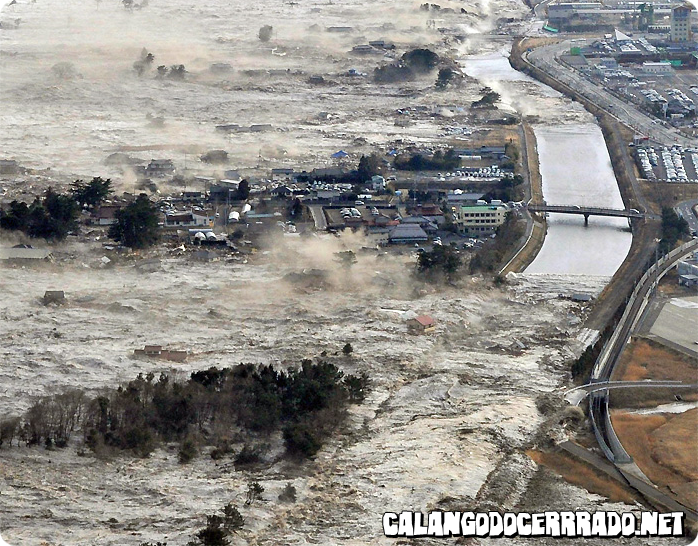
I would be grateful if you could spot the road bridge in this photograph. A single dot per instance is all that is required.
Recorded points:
(576, 395)
(587, 211)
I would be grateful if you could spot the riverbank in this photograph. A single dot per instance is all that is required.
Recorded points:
(644, 232)
(536, 225)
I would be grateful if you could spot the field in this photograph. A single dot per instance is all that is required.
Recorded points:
(658, 445)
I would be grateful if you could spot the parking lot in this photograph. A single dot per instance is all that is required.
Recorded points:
(663, 164)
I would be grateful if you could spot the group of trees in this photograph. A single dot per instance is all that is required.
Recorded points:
(488, 100)
(54, 215)
(442, 261)
(304, 403)
(136, 224)
(440, 161)
(508, 189)
(412, 63)
(674, 228)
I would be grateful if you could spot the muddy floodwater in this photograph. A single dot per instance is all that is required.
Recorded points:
(576, 170)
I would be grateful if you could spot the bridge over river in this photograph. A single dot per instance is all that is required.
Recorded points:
(587, 211)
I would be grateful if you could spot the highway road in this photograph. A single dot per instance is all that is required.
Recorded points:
(546, 58)
(685, 210)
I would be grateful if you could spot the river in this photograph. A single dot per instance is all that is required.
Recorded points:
(575, 168)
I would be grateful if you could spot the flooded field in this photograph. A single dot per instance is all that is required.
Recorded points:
(443, 411)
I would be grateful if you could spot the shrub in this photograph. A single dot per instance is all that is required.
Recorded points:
(288, 494)
(188, 451)
(248, 455)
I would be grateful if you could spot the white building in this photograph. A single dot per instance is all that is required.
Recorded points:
(478, 220)
(661, 67)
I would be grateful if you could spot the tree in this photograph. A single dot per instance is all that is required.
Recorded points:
(188, 451)
(232, 518)
(369, 166)
(444, 78)
(393, 73)
(288, 493)
(136, 224)
(214, 534)
(421, 60)
(51, 217)
(254, 490)
(93, 193)
(265, 33)
(243, 191)
(489, 98)
(177, 72)
(674, 227)
(296, 208)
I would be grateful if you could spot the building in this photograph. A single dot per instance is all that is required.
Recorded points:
(479, 220)
(285, 176)
(689, 281)
(8, 166)
(106, 215)
(377, 182)
(689, 266)
(422, 324)
(157, 351)
(407, 234)
(485, 152)
(22, 253)
(429, 226)
(160, 168)
(565, 10)
(54, 296)
(681, 23)
(191, 218)
(661, 67)
(463, 198)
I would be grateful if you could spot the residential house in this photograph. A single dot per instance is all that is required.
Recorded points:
(282, 191)
(160, 168)
(423, 324)
(106, 215)
(407, 234)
